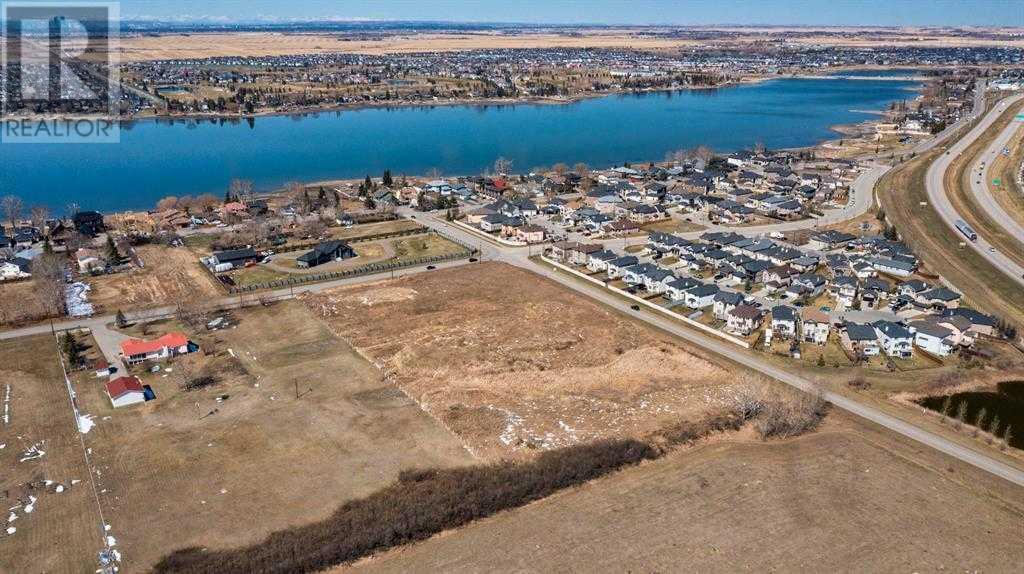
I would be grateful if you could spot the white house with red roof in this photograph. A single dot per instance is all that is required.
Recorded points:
(135, 351)
(125, 391)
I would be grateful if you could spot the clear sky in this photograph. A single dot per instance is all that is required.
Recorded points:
(682, 12)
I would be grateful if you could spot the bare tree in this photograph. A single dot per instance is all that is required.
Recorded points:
(560, 169)
(502, 166)
(12, 206)
(241, 189)
(581, 169)
(48, 279)
(433, 173)
(169, 202)
(39, 215)
(703, 152)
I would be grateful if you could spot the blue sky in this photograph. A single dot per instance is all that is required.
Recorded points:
(683, 12)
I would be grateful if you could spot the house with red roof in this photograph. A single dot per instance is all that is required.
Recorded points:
(126, 391)
(135, 351)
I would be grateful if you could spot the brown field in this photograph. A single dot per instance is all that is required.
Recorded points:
(512, 362)
(62, 533)
(174, 46)
(847, 498)
(20, 305)
(189, 469)
(170, 274)
(1009, 193)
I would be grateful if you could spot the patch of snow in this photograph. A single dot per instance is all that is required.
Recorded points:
(31, 504)
(7, 406)
(106, 528)
(111, 541)
(11, 530)
(77, 297)
(33, 452)
(75, 481)
(12, 518)
(59, 489)
(85, 423)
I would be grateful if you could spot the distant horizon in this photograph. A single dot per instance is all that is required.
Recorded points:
(751, 13)
(488, 23)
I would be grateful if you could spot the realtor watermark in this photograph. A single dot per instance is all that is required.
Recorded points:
(60, 81)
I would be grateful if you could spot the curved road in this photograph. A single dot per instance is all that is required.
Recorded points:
(934, 183)
(979, 184)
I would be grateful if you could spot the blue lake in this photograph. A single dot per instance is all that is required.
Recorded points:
(159, 158)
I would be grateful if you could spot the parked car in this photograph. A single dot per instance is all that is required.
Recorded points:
(635, 307)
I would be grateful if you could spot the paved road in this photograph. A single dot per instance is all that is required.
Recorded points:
(934, 182)
(520, 257)
(980, 177)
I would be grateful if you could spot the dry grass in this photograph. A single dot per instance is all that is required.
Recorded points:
(847, 497)
(170, 274)
(62, 533)
(513, 363)
(228, 472)
(20, 305)
(1009, 193)
(174, 46)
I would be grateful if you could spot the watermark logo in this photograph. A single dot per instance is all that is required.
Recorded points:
(60, 80)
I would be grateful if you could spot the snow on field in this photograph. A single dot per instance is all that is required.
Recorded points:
(7, 406)
(85, 423)
(33, 452)
(77, 297)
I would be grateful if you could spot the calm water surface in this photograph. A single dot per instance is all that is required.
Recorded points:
(161, 158)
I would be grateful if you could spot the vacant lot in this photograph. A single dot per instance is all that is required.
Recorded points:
(50, 521)
(20, 304)
(847, 498)
(226, 465)
(169, 275)
(512, 362)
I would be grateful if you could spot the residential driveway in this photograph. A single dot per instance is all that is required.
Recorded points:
(109, 342)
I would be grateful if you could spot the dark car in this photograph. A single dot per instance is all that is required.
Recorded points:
(635, 307)
(473, 259)
(431, 267)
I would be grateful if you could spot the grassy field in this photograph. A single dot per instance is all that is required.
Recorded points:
(19, 305)
(513, 363)
(170, 274)
(845, 498)
(57, 526)
(226, 465)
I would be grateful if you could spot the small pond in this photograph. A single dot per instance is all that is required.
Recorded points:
(1006, 401)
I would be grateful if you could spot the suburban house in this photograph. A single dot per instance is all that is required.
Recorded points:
(784, 321)
(88, 223)
(136, 351)
(724, 302)
(233, 258)
(814, 326)
(616, 267)
(939, 298)
(743, 319)
(326, 252)
(933, 338)
(598, 261)
(530, 234)
(701, 296)
(126, 391)
(861, 339)
(895, 339)
(980, 323)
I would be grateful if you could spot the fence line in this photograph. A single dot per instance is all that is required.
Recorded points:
(658, 308)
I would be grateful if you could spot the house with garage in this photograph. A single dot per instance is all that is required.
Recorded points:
(784, 321)
(598, 261)
(980, 323)
(701, 296)
(861, 340)
(844, 289)
(135, 351)
(724, 302)
(939, 298)
(125, 391)
(676, 289)
(232, 258)
(743, 319)
(933, 338)
(617, 267)
(335, 250)
(655, 280)
(895, 339)
(815, 326)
